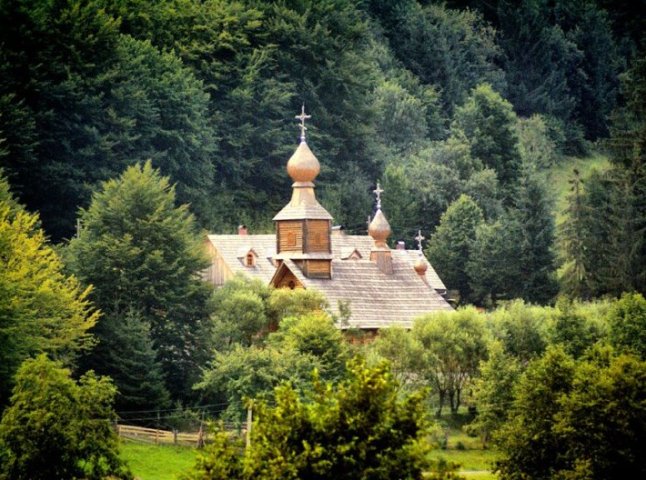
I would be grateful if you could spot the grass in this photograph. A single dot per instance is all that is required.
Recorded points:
(165, 462)
(469, 460)
(467, 451)
(157, 462)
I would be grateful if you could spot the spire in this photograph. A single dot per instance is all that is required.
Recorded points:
(420, 264)
(379, 230)
(303, 166)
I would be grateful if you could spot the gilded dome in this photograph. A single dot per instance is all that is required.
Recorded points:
(379, 228)
(303, 166)
(420, 266)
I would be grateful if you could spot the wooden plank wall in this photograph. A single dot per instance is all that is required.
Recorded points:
(290, 236)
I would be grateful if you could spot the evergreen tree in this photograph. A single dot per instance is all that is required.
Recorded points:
(449, 248)
(454, 50)
(127, 355)
(493, 392)
(534, 216)
(572, 237)
(141, 251)
(89, 101)
(493, 269)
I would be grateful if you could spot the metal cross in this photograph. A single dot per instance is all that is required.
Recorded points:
(419, 239)
(302, 117)
(378, 191)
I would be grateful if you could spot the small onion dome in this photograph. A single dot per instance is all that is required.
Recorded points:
(379, 228)
(303, 166)
(420, 266)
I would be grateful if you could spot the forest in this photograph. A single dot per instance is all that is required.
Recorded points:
(512, 134)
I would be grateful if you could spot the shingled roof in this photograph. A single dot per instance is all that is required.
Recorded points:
(376, 299)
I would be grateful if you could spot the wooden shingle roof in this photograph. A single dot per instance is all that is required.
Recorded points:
(376, 300)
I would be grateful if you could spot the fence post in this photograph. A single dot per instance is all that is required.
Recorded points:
(174, 436)
(249, 422)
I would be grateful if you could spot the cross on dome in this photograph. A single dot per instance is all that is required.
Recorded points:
(378, 191)
(419, 239)
(302, 117)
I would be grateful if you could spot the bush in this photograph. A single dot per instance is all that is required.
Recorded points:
(360, 429)
(58, 428)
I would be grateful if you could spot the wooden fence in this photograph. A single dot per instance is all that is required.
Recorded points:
(153, 435)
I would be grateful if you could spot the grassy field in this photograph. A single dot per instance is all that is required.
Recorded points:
(157, 462)
(165, 462)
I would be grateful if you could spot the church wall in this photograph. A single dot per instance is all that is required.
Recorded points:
(218, 272)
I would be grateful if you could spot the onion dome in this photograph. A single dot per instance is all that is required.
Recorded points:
(420, 266)
(303, 166)
(379, 229)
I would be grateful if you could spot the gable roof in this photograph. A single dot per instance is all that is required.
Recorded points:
(376, 300)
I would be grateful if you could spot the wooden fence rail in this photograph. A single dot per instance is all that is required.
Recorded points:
(153, 435)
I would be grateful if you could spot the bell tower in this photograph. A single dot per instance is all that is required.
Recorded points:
(303, 226)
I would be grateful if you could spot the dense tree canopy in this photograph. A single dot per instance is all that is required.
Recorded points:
(142, 252)
(41, 308)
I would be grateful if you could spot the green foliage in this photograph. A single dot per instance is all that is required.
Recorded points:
(576, 420)
(141, 251)
(443, 351)
(493, 391)
(247, 373)
(128, 356)
(91, 101)
(521, 329)
(489, 123)
(41, 308)
(535, 145)
(450, 245)
(453, 345)
(492, 267)
(58, 428)
(527, 440)
(533, 210)
(358, 429)
(574, 328)
(314, 334)
(627, 323)
(463, 52)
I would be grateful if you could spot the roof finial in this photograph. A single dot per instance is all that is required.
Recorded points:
(302, 117)
(419, 239)
(378, 191)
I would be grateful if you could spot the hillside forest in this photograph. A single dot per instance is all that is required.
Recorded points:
(511, 134)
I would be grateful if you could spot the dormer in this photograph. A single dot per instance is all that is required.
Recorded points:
(350, 253)
(247, 256)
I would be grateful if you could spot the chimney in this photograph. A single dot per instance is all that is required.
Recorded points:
(401, 245)
(242, 230)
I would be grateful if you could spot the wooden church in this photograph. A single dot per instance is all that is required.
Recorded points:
(381, 286)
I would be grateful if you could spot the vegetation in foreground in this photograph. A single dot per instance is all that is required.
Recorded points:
(157, 462)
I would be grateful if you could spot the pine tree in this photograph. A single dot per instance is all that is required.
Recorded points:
(572, 234)
(535, 218)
